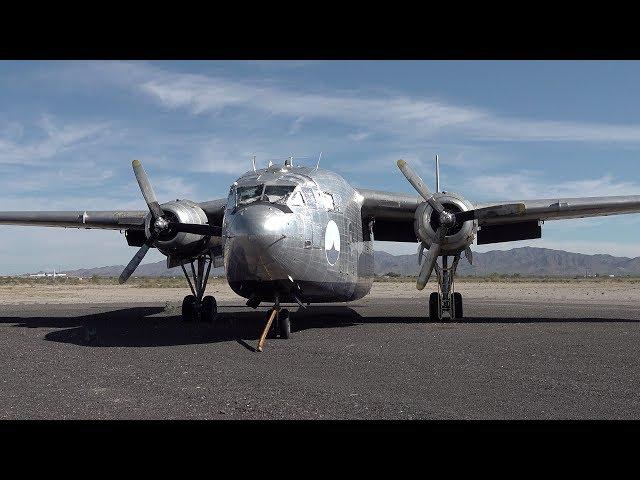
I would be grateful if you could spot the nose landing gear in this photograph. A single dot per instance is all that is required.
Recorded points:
(283, 324)
(197, 307)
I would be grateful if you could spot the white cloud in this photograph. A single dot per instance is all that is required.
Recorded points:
(57, 139)
(219, 156)
(393, 113)
(19, 180)
(529, 184)
(358, 136)
(295, 126)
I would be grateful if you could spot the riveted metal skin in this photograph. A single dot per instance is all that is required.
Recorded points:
(314, 249)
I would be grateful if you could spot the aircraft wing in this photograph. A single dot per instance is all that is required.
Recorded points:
(565, 208)
(393, 213)
(109, 219)
(114, 220)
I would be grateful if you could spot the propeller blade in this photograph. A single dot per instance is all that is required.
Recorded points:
(198, 229)
(135, 261)
(418, 184)
(420, 252)
(428, 265)
(469, 254)
(505, 210)
(147, 189)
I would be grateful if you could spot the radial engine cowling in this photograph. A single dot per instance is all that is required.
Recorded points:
(459, 237)
(180, 243)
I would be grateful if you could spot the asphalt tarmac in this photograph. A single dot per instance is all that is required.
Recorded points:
(375, 359)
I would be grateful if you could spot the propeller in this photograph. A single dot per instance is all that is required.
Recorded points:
(159, 223)
(447, 220)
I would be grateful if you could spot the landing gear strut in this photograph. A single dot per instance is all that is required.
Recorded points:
(195, 306)
(283, 324)
(445, 299)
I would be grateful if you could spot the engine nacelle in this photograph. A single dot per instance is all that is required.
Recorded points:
(458, 237)
(180, 243)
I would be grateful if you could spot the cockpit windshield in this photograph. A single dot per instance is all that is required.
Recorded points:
(250, 194)
(268, 193)
(277, 193)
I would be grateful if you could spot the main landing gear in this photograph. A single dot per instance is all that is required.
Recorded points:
(196, 307)
(445, 300)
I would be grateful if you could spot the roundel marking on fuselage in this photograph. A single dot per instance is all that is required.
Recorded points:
(332, 242)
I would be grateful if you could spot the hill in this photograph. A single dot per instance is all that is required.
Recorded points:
(525, 261)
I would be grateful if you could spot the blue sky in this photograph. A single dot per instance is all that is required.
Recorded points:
(504, 130)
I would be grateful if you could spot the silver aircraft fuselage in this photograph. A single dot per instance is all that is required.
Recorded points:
(305, 242)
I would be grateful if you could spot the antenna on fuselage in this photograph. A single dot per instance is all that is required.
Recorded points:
(318, 164)
(253, 162)
(437, 174)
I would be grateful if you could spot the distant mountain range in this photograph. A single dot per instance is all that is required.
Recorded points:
(525, 261)
(157, 269)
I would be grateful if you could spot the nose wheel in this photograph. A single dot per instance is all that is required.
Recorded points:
(284, 324)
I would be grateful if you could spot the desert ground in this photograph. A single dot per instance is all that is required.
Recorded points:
(618, 291)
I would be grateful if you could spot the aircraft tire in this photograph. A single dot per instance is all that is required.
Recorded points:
(209, 309)
(189, 308)
(435, 307)
(284, 324)
(457, 305)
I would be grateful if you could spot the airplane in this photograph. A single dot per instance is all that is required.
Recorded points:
(298, 234)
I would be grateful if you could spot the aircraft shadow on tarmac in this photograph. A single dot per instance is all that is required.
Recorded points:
(152, 326)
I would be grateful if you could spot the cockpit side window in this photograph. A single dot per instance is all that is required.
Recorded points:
(295, 199)
(328, 201)
(309, 197)
(231, 199)
(249, 194)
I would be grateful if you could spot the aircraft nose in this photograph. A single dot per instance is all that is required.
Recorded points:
(261, 224)
(257, 244)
